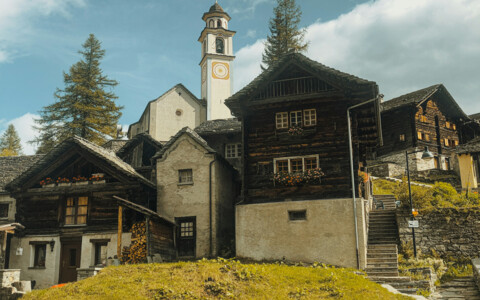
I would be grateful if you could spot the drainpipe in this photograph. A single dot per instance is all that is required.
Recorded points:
(352, 173)
(210, 202)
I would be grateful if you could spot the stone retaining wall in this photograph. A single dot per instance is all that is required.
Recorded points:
(449, 231)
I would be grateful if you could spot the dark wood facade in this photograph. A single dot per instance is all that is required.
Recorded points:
(428, 117)
(299, 85)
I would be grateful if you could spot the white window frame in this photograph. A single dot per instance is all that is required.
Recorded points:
(186, 180)
(281, 120)
(312, 117)
(296, 118)
(233, 150)
(294, 158)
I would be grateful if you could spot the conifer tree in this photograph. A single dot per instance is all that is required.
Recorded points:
(10, 142)
(285, 36)
(85, 107)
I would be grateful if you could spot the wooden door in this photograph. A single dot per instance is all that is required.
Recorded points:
(186, 236)
(69, 261)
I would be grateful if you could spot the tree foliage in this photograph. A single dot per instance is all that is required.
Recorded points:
(285, 36)
(85, 107)
(10, 142)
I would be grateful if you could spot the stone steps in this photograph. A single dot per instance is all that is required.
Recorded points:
(459, 288)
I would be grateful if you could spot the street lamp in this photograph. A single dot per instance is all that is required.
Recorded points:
(425, 155)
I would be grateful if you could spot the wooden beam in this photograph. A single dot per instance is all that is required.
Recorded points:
(119, 237)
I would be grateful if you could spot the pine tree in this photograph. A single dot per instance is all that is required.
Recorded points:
(285, 36)
(84, 107)
(10, 142)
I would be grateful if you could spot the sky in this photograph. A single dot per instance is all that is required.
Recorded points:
(151, 45)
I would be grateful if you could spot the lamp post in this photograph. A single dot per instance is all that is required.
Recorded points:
(425, 155)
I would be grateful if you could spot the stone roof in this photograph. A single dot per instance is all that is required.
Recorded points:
(189, 132)
(106, 155)
(12, 166)
(410, 98)
(135, 141)
(220, 126)
(472, 146)
(326, 73)
(114, 145)
(417, 97)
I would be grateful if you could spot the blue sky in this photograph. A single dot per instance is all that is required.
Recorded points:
(152, 45)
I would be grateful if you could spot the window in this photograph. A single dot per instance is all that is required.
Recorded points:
(185, 176)
(219, 45)
(76, 211)
(4, 210)
(281, 120)
(100, 254)
(297, 215)
(233, 150)
(402, 138)
(309, 117)
(39, 255)
(282, 166)
(296, 118)
(295, 164)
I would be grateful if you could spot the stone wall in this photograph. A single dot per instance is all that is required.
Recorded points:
(449, 231)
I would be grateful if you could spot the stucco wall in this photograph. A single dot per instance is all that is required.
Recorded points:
(48, 276)
(467, 174)
(164, 121)
(264, 231)
(185, 200)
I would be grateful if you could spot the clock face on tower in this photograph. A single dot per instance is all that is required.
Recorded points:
(220, 70)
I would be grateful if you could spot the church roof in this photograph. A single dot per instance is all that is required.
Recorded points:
(12, 166)
(220, 126)
(106, 155)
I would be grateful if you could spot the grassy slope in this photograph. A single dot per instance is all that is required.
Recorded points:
(219, 279)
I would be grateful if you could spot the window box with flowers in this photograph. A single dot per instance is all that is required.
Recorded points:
(63, 181)
(308, 177)
(80, 180)
(98, 178)
(47, 183)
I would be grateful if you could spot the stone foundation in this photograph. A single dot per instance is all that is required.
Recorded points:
(449, 231)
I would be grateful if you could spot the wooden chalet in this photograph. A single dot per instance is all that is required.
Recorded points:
(427, 117)
(74, 223)
(294, 118)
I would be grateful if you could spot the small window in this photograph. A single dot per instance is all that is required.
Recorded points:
(309, 117)
(419, 135)
(297, 215)
(76, 211)
(233, 150)
(4, 210)
(186, 229)
(282, 166)
(100, 254)
(219, 45)
(296, 118)
(40, 255)
(402, 138)
(281, 120)
(185, 176)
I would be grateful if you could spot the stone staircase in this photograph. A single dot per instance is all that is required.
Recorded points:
(460, 288)
(385, 201)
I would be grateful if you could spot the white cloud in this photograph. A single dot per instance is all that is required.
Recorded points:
(403, 45)
(24, 127)
(17, 22)
(247, 64)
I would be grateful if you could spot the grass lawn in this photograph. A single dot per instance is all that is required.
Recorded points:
(219, 279)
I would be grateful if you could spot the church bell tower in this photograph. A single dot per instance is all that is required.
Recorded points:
(216, 63)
